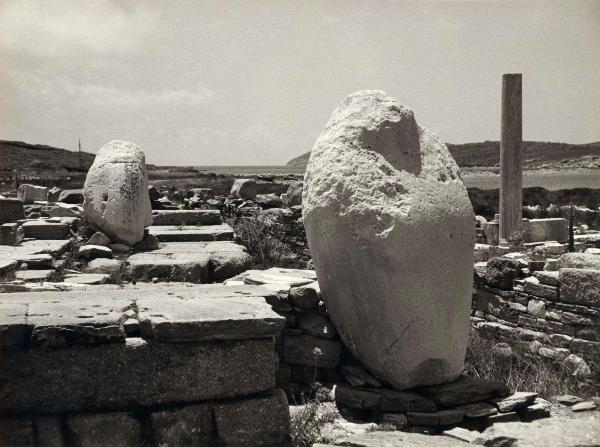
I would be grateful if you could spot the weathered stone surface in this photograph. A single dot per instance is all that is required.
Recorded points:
(567, 399)
(587, 405)
(244, 188)
(549, 278)
(150, 242)
(33, 275)
(17, 432)
(537, 308)
(580, 286)
(32, 193)
(122, 375)
(116, 198)
(395, 439)
(549, 229)
(442, 417)
(13, 324)
(192, 425)
(186, 217)
(382, 399)
(114, 429)
(515, 401)
(99, 238)
(315, 324)
(579, 261)
(220, 318)
(193, 262)
(42, 229)
(356, 375)
(477, 410)
(465, 390)
(94, 251)
(103, 265)
(551, 432)
(64, 210)
(86, 278)
(56, 322)
(11, 210)
(254, 422)
(501, 272)
(306, 297)
(192, 233)
(311, 351)
(391, 232)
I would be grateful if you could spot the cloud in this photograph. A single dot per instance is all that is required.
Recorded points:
(62, 28)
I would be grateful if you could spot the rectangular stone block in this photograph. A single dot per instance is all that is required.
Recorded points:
(41, 229)
(550, 229)
(121, 375)
(192, 425)
(207, 318)
(11, 210)
(263, 421)
(186, 217)
(105, 429)
(465, 390)
(580, 286)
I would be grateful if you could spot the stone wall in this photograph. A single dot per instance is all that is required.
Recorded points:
(555, 314)
(141, 365)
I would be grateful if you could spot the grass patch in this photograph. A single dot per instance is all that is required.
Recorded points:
(309, 419)
(523, 371)
(264, 241)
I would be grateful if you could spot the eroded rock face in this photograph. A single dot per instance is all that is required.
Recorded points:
(115, 194)
(391, 232)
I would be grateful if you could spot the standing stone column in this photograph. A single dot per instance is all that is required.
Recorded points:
(510, 156)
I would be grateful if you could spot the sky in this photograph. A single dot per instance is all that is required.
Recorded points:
(253, 82)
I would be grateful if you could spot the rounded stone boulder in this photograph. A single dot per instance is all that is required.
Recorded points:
(391, 231)
(116, 200)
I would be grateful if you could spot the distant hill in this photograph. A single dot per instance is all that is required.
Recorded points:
(536, 155)
(38, 157)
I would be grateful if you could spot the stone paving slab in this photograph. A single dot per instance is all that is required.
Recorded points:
(33, 275)
(166, 312)
(207, 319)
(193, 262)
(32, 250)
(186, 217)
(192, 233)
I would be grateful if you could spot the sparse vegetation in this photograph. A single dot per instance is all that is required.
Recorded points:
(120, 276)
(264, 241)
(523, 371)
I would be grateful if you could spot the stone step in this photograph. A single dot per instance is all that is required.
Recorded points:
(190, 262)
(186, 217)
(192, 233)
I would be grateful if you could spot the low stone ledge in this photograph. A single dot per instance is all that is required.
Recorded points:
(186, 217)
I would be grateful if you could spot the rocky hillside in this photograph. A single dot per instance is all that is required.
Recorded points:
(25, 156)
(537, 155)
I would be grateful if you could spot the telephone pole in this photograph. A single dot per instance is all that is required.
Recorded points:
(80, 166)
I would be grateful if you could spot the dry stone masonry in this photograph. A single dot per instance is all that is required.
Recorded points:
(391, 232)
(552, 307)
